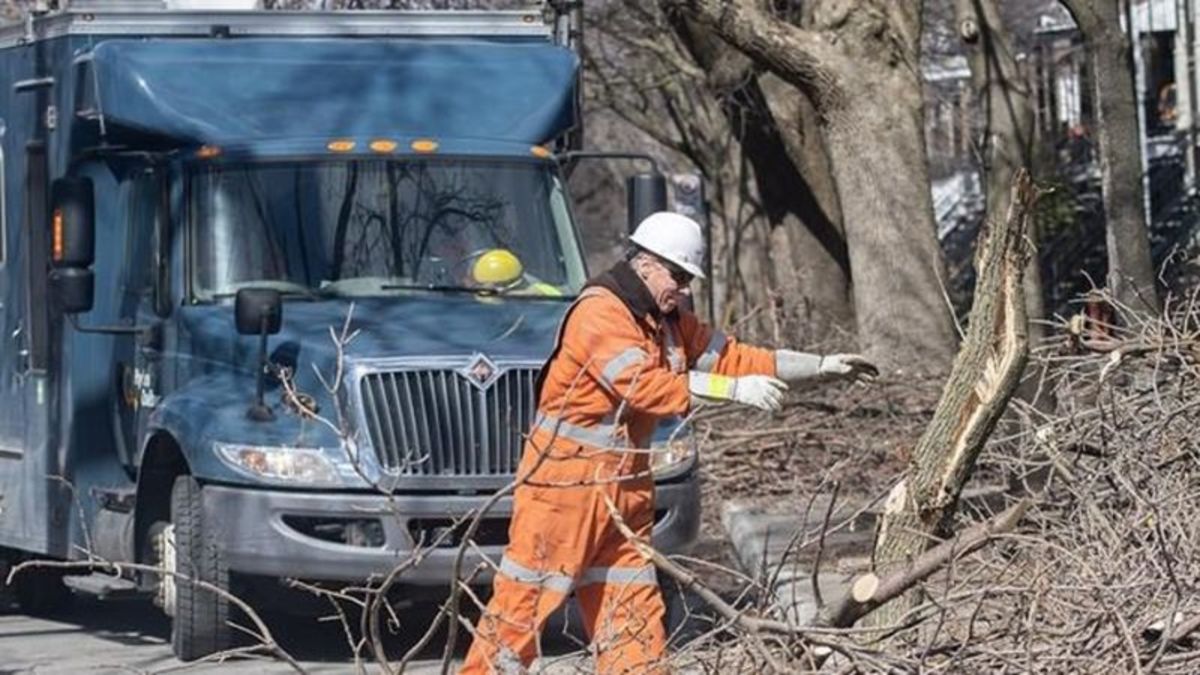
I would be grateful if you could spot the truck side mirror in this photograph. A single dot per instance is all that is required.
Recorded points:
(646, 193)
(74, 289)
(258, 311)
(72, 244)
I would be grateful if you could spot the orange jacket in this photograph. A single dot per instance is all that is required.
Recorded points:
(613, 375)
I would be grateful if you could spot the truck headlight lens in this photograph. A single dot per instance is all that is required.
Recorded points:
(672, 458)
(306, 466)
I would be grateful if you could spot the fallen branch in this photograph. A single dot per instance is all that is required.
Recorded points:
(869, 591)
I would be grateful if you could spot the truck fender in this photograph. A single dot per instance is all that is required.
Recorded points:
(162, 461)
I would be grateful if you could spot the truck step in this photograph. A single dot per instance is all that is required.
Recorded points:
(102, 586)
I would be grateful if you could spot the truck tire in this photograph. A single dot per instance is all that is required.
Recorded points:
(200, 625)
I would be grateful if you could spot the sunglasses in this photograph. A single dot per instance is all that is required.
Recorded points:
(680, 276)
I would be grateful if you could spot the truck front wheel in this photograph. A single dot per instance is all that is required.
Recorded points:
(200, 618)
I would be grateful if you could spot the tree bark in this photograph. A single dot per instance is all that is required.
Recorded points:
(1130, 269)
(793, 178)
(816, 243)
(1008, 142)
(985, 375)
(859, 68)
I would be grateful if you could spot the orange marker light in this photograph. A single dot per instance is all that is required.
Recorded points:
(424, 145)
(57, 245)
(207, 152)
(341, 145)
(383, 145)
(540, 151)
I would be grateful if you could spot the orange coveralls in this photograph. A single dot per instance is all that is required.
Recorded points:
(611, 377)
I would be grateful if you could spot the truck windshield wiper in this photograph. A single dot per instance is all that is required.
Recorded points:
(440, 288)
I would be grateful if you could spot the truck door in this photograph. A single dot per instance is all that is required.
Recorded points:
(136, 367)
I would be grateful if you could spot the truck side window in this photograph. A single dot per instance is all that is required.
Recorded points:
(142, 195)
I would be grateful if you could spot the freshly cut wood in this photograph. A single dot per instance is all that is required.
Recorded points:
(864, 587)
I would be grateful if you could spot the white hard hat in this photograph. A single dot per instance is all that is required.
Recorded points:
(673, 237)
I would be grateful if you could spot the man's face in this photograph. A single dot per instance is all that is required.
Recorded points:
(666, 282)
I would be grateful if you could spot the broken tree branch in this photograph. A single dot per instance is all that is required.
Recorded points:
(985, 375)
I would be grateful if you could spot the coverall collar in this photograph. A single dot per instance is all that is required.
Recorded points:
(629, 287)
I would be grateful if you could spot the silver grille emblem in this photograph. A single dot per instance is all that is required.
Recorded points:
(480, 372)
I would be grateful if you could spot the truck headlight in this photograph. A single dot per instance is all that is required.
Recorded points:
(281, 464)
(673, 458)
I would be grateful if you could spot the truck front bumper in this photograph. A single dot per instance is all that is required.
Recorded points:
(354, 537)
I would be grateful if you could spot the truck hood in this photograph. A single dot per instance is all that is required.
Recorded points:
(419, 327)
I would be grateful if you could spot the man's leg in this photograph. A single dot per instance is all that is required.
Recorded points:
(623, 612)
(506, 634)
(548, 544)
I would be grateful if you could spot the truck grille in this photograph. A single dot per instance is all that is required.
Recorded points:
(437, 423)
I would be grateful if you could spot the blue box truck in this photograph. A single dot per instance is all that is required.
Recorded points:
(189, 202)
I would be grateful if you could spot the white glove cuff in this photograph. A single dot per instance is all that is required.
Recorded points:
(793, 366)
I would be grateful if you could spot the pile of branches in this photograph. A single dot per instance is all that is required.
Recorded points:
(1101, 573)
(857, 435)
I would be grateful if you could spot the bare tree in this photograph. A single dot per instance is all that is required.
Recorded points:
(1007, 101)
(858, 65)
(778, 131)
(1130, 270)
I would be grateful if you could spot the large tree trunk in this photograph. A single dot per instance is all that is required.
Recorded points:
(820, 263)
(859, 67)
(792, 175)
(985, 375)
(1008, 106)
(1130, 270)
(878, 157)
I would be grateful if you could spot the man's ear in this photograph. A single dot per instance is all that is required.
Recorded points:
(638, 265)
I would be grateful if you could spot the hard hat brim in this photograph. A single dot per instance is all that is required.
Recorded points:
(688, 267)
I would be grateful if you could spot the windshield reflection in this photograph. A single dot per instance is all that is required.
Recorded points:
(378, 227)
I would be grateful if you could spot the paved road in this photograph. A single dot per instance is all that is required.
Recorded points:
(132, 636)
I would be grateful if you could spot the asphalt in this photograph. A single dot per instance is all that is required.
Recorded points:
(132, 636)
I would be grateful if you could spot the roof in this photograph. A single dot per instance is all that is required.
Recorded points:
(212, 91)
(115, 19)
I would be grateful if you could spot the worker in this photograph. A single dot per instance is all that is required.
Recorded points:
(626, 356)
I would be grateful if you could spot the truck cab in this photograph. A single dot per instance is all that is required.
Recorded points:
(276, 290)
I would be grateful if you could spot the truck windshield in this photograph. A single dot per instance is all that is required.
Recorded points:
(380, 227)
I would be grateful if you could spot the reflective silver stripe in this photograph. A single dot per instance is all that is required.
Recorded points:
(618, 364)
(601, 435)
(619, 575)
(559, 583)
(712, 352)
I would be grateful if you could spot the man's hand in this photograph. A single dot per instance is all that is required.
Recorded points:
(759, 391)
(848, 366)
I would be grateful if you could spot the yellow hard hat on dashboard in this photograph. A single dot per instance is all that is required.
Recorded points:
(497, 267)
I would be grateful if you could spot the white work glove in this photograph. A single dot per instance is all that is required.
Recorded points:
(759, 391)
(798, 366)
